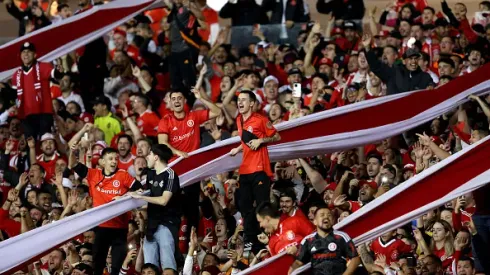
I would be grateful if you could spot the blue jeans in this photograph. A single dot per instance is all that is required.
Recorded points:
(161, 250)
(481, 243)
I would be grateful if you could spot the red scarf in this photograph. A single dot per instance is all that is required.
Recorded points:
(20, 84)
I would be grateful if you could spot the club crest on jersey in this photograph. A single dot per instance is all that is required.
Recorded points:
(290, 235)
(190, 123)
(184, 228)
(250, 129)
(116, 183)
(332, 246)
(140, 123)
(394, 255)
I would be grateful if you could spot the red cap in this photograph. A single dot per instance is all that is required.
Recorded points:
(383, 34)
(121, 32)
(336, 31)
(326, 61)
(371, 183)
(409, 167)
(87, 118)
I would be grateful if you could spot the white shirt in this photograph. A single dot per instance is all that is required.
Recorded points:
(73, 97)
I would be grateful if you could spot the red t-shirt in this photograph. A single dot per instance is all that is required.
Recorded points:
(183, 134)
(291, 232)
(258, 160)
(11, 227)
(446, 260)
(103, 189)
(391, 250)
(125, 165)
(148, 123)
(132, 52)
(49, 166)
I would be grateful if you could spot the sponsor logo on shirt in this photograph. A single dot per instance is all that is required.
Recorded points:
(182, 137)
(109, 192)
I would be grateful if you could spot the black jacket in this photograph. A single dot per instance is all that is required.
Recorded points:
(295, 11)
(346, 10)
(39, 22)
(244, 13)
(398, 78)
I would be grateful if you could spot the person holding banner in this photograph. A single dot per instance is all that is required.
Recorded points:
(164, 209)
(255, 171)
(327, 250)
(106, 185)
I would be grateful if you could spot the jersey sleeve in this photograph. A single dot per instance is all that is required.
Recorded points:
(163, 126)
(46, 70)
(269, 129)
(127, 180)
(304, 254)
(350, 250)
(173, 184)
(304, 226)
(201, 116)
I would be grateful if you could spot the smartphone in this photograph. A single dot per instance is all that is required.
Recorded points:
(297, 90)
(199, 59)
(130, 246)
(411, 262)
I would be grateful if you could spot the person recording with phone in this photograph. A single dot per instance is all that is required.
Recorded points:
(164, 210)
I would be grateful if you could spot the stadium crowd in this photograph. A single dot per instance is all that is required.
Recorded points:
(105, 120)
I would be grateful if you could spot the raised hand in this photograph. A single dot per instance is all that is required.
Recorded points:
(136, 71)
(424, 139)
(204, 69)
(340, 200)
(366, 40)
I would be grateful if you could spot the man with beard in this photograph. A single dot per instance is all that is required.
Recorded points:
(431, 265)
(49, 156)
(126, 158)
(400, 78)
(390, 55)
(327, 250)
(288, 204)
(67, 94)
(285, 235)
(389, 246)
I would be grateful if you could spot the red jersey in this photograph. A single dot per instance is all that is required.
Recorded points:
(296, 213)
(291, 232)
(48, 164)
(148, 123)
(183, 134)
(33, 90)
(11, 227)
(446, 260)
(183, 241)
(125, 165)
(104, 189)
(354, 205)
(258, 160)
(392, 249)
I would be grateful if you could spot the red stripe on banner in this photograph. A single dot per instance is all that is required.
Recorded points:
(51, 39)
(370, 117)
(440, 183)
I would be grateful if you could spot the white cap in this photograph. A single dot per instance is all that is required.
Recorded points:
(47, 136)
(67, 183)
(271, 78)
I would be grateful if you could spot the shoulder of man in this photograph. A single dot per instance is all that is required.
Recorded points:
(343, 235)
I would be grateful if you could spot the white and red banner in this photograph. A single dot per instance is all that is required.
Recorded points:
(339, 129)
(69, 34)
(342, 128)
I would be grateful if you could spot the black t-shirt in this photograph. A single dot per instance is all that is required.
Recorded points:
(327, 255)
(168, 215)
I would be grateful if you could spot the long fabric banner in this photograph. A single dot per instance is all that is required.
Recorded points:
(341, 128)
(21, 248)
(334, 130)
(67, 35)
(457, 175)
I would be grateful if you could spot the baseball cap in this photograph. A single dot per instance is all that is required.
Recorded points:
(120, 32)
(441, 22)
(103, 100)
(349, 25)
(371, 184)
(67, 183)
(353, 86)
(411, 52)
(47, 136)
(87, 118)
(271, 78)
(396, 34)
(294, 71)
(326, 61)
(409, 167)
(336, 31)
(382, 34)
(28, 46)
(283, 46)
